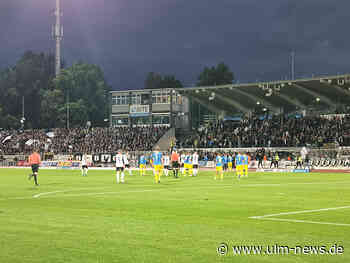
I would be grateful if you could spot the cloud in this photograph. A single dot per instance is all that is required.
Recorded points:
(129, 38)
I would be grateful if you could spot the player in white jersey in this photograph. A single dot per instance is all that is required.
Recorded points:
(182, 162)
(84, 167)
(195, 163)
(304, 152)
(166, 163)
(126, 162)
(119, 166)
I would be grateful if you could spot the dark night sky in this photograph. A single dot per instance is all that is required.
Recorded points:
(129, 38)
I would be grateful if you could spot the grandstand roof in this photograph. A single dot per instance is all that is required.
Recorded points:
(326, 93)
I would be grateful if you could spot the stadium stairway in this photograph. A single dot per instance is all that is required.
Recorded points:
(164, 143)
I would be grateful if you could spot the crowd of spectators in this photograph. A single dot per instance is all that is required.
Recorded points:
(277, 131)
(83, 140)
(249, 132)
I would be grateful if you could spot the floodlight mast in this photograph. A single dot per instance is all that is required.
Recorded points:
(293, 64)
(58, 35)
(57, 32)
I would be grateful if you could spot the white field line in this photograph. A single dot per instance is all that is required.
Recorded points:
(286, 184)
(122, 192)
(305, 221)
(69, 190)
(48, 193)
(115, 192)
(301, 212)
(175, 189)
(45, 194)
(272, 217)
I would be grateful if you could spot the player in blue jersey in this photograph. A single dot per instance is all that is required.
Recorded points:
(218, 166)
(225, 162)
(229, 162)
(238, 163)
(142, 166)
(188, 164)
(242, 164)
(245, 164)
(157, 164)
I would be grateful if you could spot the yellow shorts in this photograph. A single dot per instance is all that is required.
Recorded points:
(239, 168)
(229, 165)
(142, 166)
(157, 168)
(187, 166)
(246, 167)
(218, 168)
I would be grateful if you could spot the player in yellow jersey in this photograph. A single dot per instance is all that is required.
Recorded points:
(218, 166)
(229, 164)
(188, 164)
(238, 162)
(245, 164)
(142, 165)
(157, 164)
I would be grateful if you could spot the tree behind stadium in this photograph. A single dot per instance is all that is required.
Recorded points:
(219, 75)
(29, 78)
(157, 81)
(84, 86)
(33, 77)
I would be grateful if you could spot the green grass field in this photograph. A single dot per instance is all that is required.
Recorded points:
(70, 218)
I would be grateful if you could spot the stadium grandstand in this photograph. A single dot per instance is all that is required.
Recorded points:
(276, 116)
(279, 116)
(313, 96)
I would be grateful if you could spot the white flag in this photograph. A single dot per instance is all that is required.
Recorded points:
(50, 134)
(29, 142)
(7, 138)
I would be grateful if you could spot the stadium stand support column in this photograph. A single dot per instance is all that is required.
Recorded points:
(171, 109)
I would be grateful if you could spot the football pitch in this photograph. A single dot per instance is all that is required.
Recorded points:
(70, 218)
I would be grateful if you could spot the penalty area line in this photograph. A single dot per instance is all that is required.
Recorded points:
(49, 193)
(300, 212)
(303, 221)
(272, 217)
